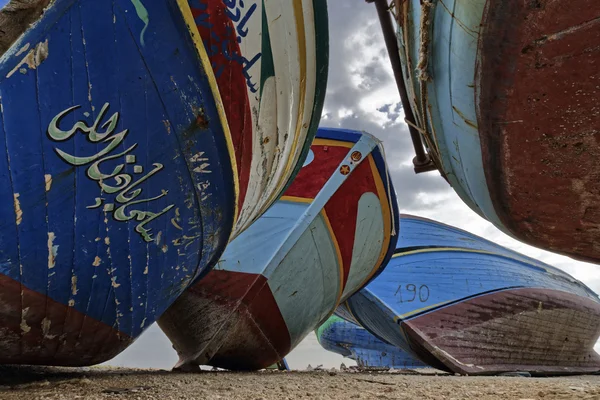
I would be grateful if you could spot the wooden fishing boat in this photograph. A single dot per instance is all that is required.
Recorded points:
(131, 154)
(352, 341)
(504, 94)
(463, 304)
(328, 235)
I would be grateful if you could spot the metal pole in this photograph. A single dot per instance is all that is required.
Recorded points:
(422, 161)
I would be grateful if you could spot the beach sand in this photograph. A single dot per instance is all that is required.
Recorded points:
(104, 383)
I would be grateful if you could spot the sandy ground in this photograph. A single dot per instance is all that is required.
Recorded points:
(94, 383)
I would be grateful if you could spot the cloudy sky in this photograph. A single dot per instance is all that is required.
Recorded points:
(362, 95)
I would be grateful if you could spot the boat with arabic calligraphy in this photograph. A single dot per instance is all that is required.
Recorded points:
(330, 233)
(466, 305)
(137, 138)
(504, 95)
(350, 340)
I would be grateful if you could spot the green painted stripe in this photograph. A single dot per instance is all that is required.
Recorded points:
(322, 64)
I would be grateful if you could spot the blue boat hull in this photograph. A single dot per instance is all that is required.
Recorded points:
(116, 182)
(467, 305)
(352, 341)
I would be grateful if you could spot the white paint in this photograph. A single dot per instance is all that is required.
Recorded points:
(34, 58)
(18, 211)
(23, 49)
(52, 250)
(24, 327)
(74, 285)
(48, 180)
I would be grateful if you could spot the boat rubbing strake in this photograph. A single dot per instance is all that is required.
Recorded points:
(328, 235)
(464, 304)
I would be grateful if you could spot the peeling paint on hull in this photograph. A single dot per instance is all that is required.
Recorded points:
(539, 118)
(510, 112)
(103, 221)
(469, 306)
(270, 63)
(328, 235)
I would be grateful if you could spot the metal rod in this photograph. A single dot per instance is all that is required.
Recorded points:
(422, 161)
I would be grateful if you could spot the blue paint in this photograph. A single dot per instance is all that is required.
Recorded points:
(134, 109)
(437, 265)
(451, 94)
(292, 247)
(352, 341)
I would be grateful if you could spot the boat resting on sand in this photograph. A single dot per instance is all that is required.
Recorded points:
(466, 305)
(504, 95)
(350, 340)
(329, 234)
(122, 153)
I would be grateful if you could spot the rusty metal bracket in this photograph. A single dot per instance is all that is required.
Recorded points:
(422, 161)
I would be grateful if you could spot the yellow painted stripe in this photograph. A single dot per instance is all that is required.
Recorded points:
(347, 305)
(463, 250)
(196, 38)
(295, 199)
(332, 143)
(387, 216)
(420, 310)
(338, 253)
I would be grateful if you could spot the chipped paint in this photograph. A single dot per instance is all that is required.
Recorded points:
(97, 261)
(74, 285)
(71, 303)
(18, 211)
(24, 327)
(52, 250)
(23, 49)
(107, 241)
(34, 58)
(114, 282)
(46, 324)
(48, 179)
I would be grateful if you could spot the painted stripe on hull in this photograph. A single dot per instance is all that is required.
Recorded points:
(271, 72)
(303, 262)
(491, 83)
(537, 330)
(231, 312)
(430, 280)
(51, 333)
(110, 209)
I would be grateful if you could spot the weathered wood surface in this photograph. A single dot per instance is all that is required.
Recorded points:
(467, 305)
(107, 208)
(506, 93)
(333, 230)
(16, 17)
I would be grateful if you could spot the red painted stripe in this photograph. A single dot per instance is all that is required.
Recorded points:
(259, 336)
(342, 210)
(311, 178)
(51, 333)
(220, 41)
